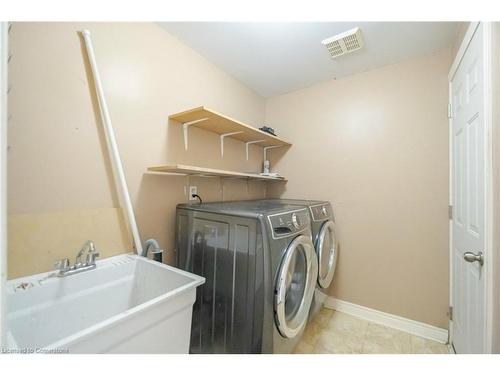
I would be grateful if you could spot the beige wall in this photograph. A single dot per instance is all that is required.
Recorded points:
(59, 171)
(376, 145)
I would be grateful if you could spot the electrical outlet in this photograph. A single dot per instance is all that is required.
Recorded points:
(192, 190)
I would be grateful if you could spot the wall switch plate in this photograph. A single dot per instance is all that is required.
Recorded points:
(192, 190)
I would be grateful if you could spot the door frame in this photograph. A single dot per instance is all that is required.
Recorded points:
(3, 174)
(488, 169)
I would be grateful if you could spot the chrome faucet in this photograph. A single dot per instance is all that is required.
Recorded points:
(63, 265)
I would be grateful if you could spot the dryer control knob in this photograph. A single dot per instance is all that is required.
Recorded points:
(323, 210)
(295, 220)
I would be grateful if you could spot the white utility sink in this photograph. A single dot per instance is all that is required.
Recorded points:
(128, 304)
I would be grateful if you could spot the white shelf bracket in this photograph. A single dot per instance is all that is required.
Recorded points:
(268, 148)
(251, 142)
(222, 136)
(186, 125)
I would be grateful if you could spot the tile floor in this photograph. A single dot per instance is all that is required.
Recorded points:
(333, 332)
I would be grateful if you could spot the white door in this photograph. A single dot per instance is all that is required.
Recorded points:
(468, 192)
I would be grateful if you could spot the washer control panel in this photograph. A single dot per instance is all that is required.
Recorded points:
(321, 212)
(285, 224)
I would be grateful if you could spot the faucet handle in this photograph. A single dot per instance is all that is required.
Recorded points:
(62, 264)
(91, 246)
(91, 257)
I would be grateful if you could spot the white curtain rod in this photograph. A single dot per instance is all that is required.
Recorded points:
(112, 145)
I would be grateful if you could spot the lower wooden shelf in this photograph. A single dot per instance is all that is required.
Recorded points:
(209, 172)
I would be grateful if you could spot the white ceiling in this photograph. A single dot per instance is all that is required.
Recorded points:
(275, 58)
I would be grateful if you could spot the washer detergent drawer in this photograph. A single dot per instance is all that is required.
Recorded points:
(222, 251)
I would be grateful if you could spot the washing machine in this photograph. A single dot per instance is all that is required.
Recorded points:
(325, 243)
(260, 267)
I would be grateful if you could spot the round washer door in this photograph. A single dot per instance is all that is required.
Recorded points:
(295, 286)
(327, 254)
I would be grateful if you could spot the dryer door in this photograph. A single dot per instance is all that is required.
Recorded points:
(295, 286)
(326, 248)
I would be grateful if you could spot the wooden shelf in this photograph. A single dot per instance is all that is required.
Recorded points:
(209, 172)
(204, 118)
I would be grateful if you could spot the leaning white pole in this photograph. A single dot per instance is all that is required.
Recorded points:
(112, 146)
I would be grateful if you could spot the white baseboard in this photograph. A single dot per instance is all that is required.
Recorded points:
(403, 324)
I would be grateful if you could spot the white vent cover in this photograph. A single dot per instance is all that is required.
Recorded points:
(343, 43)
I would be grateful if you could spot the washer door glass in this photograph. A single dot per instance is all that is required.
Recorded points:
(295, 286)
(327, 254)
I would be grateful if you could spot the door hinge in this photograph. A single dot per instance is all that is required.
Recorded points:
(450, 212)
(450, 312)
(450, 113)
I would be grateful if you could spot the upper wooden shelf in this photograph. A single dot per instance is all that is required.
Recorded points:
(207, 119)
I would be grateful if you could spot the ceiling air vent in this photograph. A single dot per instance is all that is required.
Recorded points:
(343, 43)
